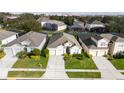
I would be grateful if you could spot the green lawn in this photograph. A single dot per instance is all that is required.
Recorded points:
(30, 63)
(84, 74)
(74, 63)
(118, 63)
(122, 73)
(26, 74)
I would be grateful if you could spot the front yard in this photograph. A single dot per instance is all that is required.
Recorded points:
(31, 63)
(118, 63)
(84, 74)
(25, 74)
(76, 63)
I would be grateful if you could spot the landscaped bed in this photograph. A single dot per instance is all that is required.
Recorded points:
(2, 54)
(79, 63)
(25, 74)
(118, 63)
(84, 74)
(31, 63)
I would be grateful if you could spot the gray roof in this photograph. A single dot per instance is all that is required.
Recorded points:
(60, 38)
(88, 41)
(78, 25)
(5, 34)
(113, 38)
(43, 19)
(34, 39)
(97, 22)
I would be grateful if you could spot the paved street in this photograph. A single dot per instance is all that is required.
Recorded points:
(108, 71)
(55, 68)
(6, 63)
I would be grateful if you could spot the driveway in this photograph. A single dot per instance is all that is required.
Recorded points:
(55, 68)
(6, 63)
(108, 71)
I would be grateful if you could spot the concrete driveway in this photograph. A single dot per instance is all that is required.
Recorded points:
(6, 63)
(108, 71)
(55, 68)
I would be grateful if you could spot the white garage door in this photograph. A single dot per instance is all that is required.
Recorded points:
(59, 52)
(97, 53)
(101, 53)
(52, 52)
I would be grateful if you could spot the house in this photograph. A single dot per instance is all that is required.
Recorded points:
(94, 44)
(52, 25)
(95, 26)
(77, 26)
(28, 41)
(61, 43)
(7, 36)
(116, 44)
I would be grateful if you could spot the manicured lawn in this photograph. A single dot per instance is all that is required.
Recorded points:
(84, 74)
(26, 74)
(74, 63)
(30, 63)
(118, 63)
(122, 73)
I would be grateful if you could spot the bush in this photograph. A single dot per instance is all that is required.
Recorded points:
(118, 56)
(21, 54)
(78, 56)
(46, 53)
(110, 58)
(2, 54)
(67, 57)
(36, 52)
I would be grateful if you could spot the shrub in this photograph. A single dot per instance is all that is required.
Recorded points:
(21, 54)
(110, 58)
(36, 52)
(2, 54)
(118, 56)
(46, 53)
(67, 57)
(78, 56)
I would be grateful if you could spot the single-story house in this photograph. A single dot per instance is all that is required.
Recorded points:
(95, 26)
(52, 25)
(94, 44)
(7, 36)
(116, 44)
(61, 43)
(77, 26)
(28, 41)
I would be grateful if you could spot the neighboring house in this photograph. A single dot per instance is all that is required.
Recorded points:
(77, 26)
(94, 44)
(95, 26)
(52, 25)
(61, 43)
(12, 17)
(7, 36)
(28, 41)
(116, 44)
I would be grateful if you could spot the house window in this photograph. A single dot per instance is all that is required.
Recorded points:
(120, 45)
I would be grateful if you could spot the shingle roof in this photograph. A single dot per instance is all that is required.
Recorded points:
(34, 38)
(5, 34)
(60, 38)
(97, 22)
(113, 37)
(78, 25)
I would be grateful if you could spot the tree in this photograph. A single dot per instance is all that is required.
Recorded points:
(36, 52)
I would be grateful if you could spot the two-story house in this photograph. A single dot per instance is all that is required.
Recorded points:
(116, 44)
(94, 44)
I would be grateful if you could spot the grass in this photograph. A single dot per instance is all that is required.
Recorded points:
(122, 73)
(25, 74)
(118, 63)
(30, 63)
(74, 63)
(84, 74)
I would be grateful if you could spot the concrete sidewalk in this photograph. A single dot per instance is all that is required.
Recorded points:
(108, 71)
(55, 64)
